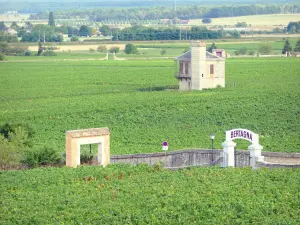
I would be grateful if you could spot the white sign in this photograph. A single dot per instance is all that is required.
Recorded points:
(242, 134)
(165, 146)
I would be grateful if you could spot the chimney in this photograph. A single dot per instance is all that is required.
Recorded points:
(198, 61)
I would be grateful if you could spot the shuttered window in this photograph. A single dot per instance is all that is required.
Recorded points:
(186, 68)
(212, 69)
(181, 68)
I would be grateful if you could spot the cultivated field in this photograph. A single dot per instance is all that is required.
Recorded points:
(153, 48)
(80, 47)
(20, 18)
(255, 20)
(139, 102)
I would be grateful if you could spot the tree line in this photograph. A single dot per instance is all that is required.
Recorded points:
(183, 12)
(141, 33)
(293, 27)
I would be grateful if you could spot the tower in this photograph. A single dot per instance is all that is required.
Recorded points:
(198, 63)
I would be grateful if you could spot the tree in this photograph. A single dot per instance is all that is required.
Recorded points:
(163, 52)
(84, 31)
(15, 26)
(287, 47)
(74, 38)
(59, 38)
(130, 49)
(242, 51)
(2, 25)
(105, 30)
(2, 57)
(3, 47)
(265, 49)
(40, 49)
(101, 48)
(51, 21)
(297, 46)
(206, 20)
(27, 53)
(213, 46)
(28, 26)
(114, 50)
(241, 24)
(72, 31)
(293, 27)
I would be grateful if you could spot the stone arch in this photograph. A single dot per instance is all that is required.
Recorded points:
(228, 146)
(75, 138)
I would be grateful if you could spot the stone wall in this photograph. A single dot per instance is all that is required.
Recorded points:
(181, 158)
(202, 157)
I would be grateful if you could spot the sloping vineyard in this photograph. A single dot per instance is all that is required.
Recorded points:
(138, 102)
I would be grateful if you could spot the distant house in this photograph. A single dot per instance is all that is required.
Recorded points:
(165, 21)
(219, 53)
(11, 12)
(184, 21)
(198, 69)
(10, 31)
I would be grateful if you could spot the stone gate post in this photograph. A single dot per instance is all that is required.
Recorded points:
(228, 153)
(255, 154)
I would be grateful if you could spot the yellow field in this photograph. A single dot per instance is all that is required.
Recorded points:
(256, 20)
(14, 17)
(79, 47)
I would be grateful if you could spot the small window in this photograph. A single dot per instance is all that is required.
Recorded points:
(186, 68)
(212, 69)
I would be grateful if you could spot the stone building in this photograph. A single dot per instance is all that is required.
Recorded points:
(198, 69)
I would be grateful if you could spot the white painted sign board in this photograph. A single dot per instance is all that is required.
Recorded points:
(165, 146)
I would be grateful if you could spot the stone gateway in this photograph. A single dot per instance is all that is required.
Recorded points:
(75, 138)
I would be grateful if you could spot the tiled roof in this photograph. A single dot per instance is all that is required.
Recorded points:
(188, 55)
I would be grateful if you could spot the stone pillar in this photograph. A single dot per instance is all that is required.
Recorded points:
(228, 153)
(71, 152)
(255, 154)
(100, 153)
(106, 151)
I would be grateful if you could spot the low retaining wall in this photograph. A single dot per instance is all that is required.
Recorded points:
(277, 165)
(173, 159)
(280, 159)
(204, 157)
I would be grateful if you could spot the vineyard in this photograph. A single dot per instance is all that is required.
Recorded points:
(139, 102)
(142, 194)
